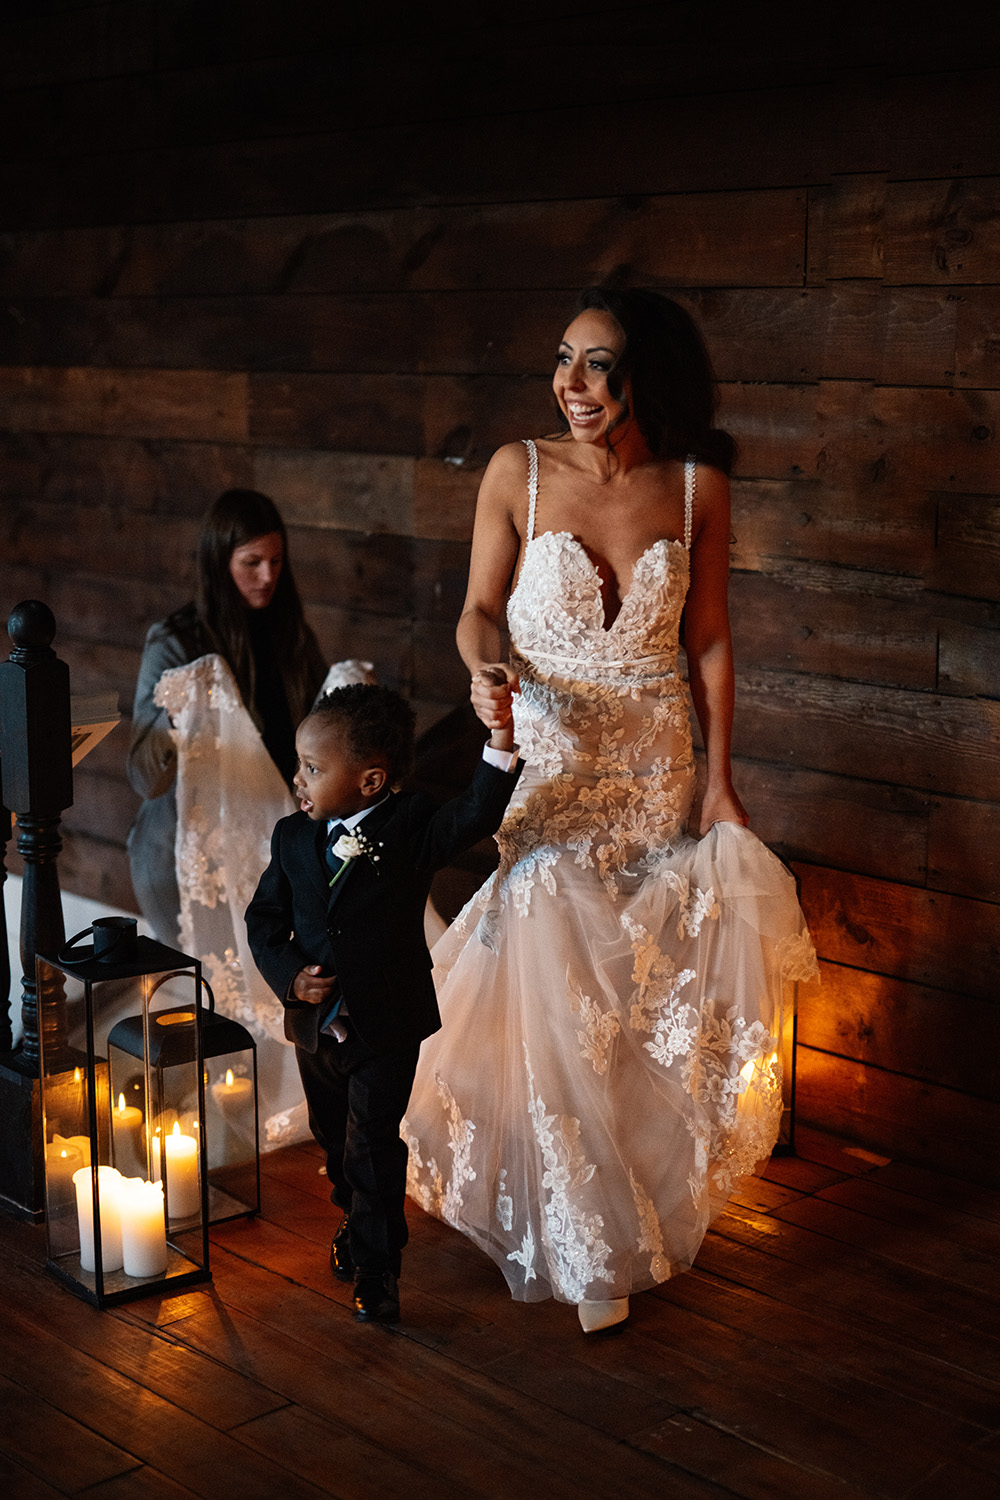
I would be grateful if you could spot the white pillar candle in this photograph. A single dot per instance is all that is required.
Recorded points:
(233, 1093)
(111, 1223)
(79, 1143)
(126, 1126)
(62, 1161)
(144, 1228)
(180, 1154)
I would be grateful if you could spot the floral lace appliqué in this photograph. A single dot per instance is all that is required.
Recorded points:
(575, 1251)
(650, 1233)
(461, 1132)
(599, 1030)
(427, 1190)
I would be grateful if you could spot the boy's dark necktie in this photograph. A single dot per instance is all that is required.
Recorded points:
(334, 862)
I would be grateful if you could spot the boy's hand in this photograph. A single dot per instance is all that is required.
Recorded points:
(311, 987)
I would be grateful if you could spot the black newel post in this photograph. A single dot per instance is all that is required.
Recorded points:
(6, 1035)
(36, 778)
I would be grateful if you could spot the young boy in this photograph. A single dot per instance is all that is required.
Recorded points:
(336, 929)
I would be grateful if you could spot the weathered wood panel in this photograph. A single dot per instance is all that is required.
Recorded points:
(964, 848)
(927, 937)
(112, 473)
(920, 125)
(874, 828)
(845, 219)
(134, 403)
(686, 239)
(903, 1028)
(969, 658)
(837, 622)
(967, 556)
(819, 522)
(943, 233)
(932, 742)
(906, 335)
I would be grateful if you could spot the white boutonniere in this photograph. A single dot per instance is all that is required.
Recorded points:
(351, 846)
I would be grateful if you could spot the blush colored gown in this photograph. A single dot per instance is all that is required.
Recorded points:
(612, 998)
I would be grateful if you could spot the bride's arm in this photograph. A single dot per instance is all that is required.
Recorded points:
(709, 648)
(495, 548)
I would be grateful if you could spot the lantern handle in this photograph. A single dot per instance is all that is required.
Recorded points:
(114, 941)
(182, 974)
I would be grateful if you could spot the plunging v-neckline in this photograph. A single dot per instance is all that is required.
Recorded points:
(623, 599)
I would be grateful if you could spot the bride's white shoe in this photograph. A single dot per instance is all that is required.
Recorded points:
(597, 1315)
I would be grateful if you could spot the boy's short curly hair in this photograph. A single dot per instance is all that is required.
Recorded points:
(375, 723)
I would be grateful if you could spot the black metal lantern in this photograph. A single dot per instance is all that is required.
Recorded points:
(126, 1176)
(141, 1056)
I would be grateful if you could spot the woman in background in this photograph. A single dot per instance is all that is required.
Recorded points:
(247, 611)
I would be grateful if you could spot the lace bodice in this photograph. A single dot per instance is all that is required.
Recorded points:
(601, 716)
(556, 612)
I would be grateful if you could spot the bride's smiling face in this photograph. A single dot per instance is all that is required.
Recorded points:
(590, 348)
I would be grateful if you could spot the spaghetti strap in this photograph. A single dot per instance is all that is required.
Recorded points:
(689, 480)
(532, 485)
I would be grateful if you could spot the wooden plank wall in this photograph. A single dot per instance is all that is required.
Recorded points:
(328, 256)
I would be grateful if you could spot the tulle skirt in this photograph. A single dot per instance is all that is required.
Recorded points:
(608, 1064)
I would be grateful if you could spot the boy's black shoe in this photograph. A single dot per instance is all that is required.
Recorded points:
(376, 1299)
(341, 1263)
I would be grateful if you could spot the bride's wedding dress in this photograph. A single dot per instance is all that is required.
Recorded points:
(612, 998)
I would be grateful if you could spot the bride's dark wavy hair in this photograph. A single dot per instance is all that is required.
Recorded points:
(221, 618)
(674, 397)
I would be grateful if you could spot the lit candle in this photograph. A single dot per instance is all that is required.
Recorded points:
(180, 1154)
(108, 1189)
(79, 1143)
(126, 1125)
(155, 1170)
(144, 1228)
(234, 1093)
(62, 1161)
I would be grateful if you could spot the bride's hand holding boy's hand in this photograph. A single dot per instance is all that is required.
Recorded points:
(492, 692)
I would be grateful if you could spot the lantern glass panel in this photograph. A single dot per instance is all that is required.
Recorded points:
(153, 1056)
(231, 1128)
(134, 1217)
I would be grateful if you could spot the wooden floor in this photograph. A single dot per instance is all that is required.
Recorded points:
(839, 1337)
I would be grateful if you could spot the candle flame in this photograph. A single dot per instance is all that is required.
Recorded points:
(77, 1075)
(177, 1127)
(229, 1078)
(62, 1153)
(747, 1070)
(121, 1104)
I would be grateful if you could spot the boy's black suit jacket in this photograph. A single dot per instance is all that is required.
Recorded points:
(369, 929)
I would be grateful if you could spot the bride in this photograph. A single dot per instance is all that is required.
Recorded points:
(612, 998)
